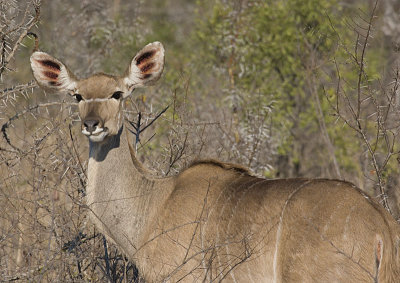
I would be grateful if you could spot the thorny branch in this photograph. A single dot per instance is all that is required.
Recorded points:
(17, 89)
(19, 114)
(22, 28)
(138, 126)
(354, 116)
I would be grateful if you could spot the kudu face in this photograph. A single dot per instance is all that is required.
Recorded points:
(100, 97)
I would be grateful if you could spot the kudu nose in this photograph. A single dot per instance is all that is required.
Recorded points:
(91, 124)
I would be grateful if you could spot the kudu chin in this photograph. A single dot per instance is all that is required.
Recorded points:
(214, 221)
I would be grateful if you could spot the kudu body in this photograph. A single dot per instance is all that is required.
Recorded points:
(214, 221)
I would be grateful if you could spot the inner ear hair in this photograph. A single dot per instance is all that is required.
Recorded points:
(52, 73)
(147, 66)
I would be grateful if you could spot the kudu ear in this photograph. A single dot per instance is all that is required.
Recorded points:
(51, 73)
(146, 67)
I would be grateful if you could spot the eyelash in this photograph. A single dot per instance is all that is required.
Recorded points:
(117, 95)
(78, 97)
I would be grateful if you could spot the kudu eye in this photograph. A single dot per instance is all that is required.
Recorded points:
(117, 95)
(78, 97)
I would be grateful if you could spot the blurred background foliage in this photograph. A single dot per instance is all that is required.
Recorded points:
(289, 88)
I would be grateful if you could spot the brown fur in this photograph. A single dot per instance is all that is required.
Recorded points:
(225, 165)
(215, 221)
(98, 86)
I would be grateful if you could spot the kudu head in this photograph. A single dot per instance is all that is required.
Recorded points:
(100, 97)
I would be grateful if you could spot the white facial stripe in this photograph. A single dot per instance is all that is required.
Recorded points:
(95, 100)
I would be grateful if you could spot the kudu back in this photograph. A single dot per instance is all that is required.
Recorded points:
(214, 221)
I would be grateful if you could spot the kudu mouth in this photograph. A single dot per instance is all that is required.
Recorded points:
(94, 130)
(98, 136)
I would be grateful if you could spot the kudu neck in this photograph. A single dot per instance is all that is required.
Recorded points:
(118, 184)
(117, 149)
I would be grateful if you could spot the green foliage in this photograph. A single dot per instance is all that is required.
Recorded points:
(288, 51)
(268, 47)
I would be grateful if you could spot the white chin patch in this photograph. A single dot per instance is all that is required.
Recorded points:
(96, 136)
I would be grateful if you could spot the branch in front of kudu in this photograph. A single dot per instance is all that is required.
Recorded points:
(138, 129)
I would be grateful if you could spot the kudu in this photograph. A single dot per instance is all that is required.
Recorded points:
(214, 221)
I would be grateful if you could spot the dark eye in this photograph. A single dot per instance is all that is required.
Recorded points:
(78, 97)
(117, 95)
